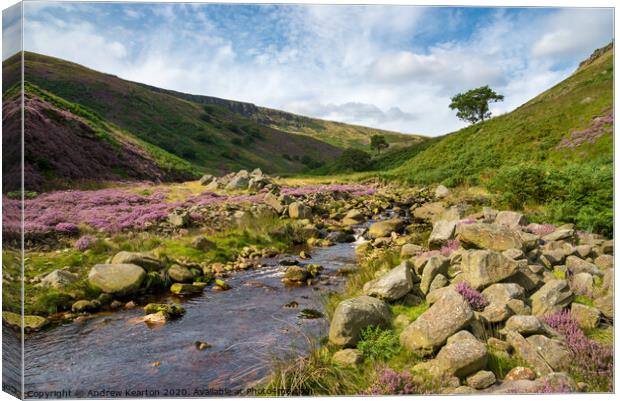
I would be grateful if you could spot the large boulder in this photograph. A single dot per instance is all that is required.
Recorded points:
(443, 231)
(482, 268)
(441, 192)
(206, 179)
(385, 228)
(145, 261)
(354, 315)
(488, 236)
(353, 217)
(510, 219)
(430, 330)
(298, 210)
(552, 297)
(30, 323)
(429, 211)
(392, 286)
(117, 279)
(463, 355)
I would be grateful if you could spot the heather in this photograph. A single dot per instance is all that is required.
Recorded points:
(475, 299)
(592, 361)
(114, 209)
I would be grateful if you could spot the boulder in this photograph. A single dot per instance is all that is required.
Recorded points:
(443, 231)
(429, 211)
(180, 274)
(354, 315)
(353, 217)
(560, 234)
(185, 289)
(498, 295)
(520, 373)
(524, 324)
(30, 323)
(348, 357)
(583, 283)
(117, 279)
(392, 286)
(604, 262)
(170, 310)
(488, 236)
(385, 228)
(441, 192)
(179, 218)
(339, 237)
(481, 379)
(58, 279)
(203, 244)
(528, 353)
(510, 219)
(606, 305)
(552, 297)
(482, 268)
(206, 179)
(84, 306)
(298, 210)
(440, 281)
(240, 181)
(553, 351)
(410, 250)
(296, 274)
(272, 200)
(577, 265)
(430, 330)
(463, 355)
(436, 265)
(145, 261)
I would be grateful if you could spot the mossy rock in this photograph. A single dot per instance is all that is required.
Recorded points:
(31, 322)
(185, 289)
(169, 309)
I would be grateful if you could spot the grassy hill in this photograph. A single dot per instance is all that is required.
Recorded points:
(533, 133)
(337, 134)
(208, 134)
(555, 150)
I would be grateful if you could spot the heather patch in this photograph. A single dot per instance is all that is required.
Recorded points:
(599, 126)
(475, 299)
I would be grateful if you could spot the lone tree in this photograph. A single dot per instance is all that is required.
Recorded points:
(378, 143)
(473, 105)
(354, 160)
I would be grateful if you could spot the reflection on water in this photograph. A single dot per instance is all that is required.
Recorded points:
(246, 325)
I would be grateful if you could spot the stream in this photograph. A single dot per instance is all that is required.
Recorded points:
(247, 326)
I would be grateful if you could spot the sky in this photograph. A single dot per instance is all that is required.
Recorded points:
(390, 67)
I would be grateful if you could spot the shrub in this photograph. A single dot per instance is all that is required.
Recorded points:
(85, 242)
(519, 184)
(592, 361)
(475, 299)
(378, 344)
(354, 160)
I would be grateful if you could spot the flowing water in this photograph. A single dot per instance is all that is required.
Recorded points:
(111, 356)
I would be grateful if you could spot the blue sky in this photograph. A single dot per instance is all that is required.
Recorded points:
(393, 67)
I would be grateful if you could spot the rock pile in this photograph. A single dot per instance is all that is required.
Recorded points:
(520, 275)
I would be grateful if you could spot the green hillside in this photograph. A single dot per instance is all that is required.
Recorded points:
(214, 136)
(555, 151)
(530, 134)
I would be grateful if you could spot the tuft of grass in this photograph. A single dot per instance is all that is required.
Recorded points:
(412, 312)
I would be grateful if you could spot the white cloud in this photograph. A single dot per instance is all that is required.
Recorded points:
(362, 65)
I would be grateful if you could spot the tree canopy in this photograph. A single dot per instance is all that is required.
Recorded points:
(473, 105)
(378, 143)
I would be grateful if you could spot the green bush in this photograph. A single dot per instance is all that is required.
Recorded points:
(578, 194)
(378, 344)
(354, 160)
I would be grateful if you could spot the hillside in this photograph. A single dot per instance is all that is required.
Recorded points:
(201, 134)
(335, 133)
(569, 123)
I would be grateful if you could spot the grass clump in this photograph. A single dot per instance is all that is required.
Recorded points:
(412, 312)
